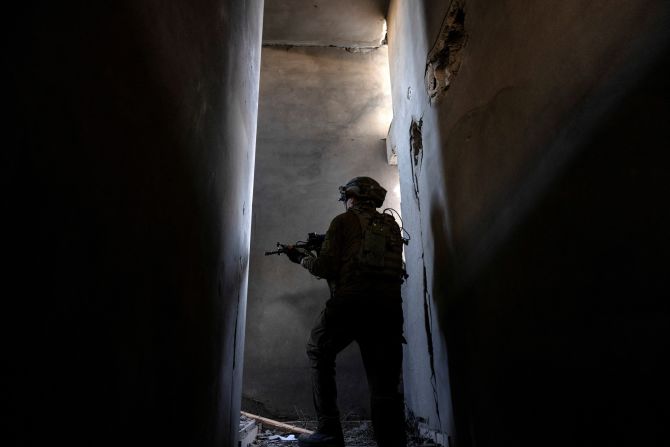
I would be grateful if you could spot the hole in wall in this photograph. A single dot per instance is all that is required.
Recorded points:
(444, 59)
(416, 148)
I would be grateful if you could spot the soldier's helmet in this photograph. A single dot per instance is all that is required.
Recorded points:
(365, 189)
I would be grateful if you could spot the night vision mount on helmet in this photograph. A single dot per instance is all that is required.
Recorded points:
(365, 189)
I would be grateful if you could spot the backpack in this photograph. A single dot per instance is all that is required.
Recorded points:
(380, 254)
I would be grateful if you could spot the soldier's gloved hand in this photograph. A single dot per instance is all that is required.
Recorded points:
(294, 254)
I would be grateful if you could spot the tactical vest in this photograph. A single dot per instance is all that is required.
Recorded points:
(380, 254)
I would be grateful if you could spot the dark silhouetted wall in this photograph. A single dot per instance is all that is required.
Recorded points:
(127, 170)
(538, 194)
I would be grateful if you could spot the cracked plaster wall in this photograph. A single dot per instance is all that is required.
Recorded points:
(533, 207)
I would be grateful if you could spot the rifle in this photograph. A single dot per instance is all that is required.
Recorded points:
(313, 243)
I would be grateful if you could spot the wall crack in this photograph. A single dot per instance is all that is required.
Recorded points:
(428, 316)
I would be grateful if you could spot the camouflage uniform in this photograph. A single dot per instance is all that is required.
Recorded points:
(363, 309)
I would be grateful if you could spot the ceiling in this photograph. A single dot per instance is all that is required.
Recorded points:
(341, 23)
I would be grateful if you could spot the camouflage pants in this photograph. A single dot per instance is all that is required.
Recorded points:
(375, 324)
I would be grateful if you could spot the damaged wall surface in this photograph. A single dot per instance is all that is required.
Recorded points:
(323, 116)
(126, 179)
(530, 143)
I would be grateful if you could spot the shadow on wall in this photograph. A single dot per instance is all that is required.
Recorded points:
(556, 332)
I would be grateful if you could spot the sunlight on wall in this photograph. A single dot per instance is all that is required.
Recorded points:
(384, 113)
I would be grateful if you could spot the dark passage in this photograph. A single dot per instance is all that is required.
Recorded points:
(531, 148)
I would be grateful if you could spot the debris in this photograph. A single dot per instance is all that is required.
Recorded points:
(356, 434)
(276, 424)
(248, 431)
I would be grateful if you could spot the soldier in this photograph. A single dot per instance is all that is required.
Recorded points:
(361, 258)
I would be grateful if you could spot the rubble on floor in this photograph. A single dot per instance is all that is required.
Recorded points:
(248, 431)
(356, 434)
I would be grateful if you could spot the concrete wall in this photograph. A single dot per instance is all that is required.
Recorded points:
(533, 307)
(323, 116)
(126, 182)
(341, 23)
